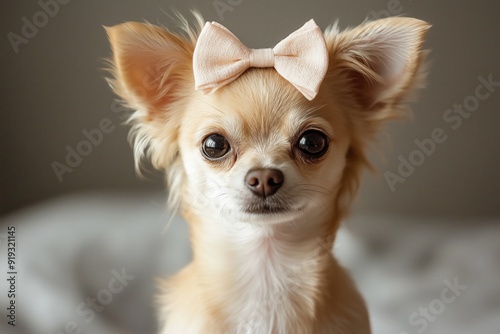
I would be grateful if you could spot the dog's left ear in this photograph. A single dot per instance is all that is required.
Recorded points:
(372, 70)
(377, 63)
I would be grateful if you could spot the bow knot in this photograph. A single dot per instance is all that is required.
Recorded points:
(220, 57)
(261, 58)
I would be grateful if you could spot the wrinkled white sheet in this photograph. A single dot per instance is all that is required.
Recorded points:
(71, 248)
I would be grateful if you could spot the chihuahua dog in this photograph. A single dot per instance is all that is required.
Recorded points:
(262, 151)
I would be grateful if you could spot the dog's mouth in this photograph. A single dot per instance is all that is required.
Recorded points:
(266, 207)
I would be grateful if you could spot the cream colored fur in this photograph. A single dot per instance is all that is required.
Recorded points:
(272, 273)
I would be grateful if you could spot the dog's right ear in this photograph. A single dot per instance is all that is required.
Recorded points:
(152, 72)
(151, 66)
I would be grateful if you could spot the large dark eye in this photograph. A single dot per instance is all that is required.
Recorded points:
(313, 144)
(215, 146)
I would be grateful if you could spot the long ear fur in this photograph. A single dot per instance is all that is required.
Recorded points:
(373, 69)
(152, 72)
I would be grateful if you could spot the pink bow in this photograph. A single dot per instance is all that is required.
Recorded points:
(220, 57)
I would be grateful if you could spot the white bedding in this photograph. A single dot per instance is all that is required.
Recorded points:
(71, 248)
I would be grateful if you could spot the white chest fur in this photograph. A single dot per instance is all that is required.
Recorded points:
(273, 279)
(277, 280)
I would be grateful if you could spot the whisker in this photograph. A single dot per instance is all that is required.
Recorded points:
(221, 212)
(311, 110)
(208, 104)
(314, 186)
(170, 219)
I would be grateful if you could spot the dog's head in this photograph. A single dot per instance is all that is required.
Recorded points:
(257, 150)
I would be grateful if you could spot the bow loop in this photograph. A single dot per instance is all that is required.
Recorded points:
(220, 58)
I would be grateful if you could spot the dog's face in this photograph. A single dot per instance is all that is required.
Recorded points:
(256, 150)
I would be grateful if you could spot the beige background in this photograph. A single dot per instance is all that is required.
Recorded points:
(53, 88)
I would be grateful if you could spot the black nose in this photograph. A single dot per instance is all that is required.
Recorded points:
(264, 182)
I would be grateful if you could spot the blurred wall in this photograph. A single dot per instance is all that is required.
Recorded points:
(52, 89)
